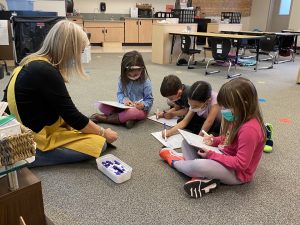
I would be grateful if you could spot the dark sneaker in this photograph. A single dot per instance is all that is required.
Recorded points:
(269, 139)
(129, 124)
(196, 188)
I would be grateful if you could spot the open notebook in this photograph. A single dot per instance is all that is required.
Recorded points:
(115, 104)
(196, 141)
(172, 142)
(169, 122)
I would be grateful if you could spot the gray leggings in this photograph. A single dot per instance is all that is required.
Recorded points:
(194, 166)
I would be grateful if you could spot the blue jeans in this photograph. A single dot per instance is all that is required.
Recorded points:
(60, 155)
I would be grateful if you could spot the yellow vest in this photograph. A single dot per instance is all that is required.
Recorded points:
(58, 134)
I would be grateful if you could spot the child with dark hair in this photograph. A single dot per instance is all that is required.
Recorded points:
(177, 95)
(134, 89)
(241, 143)
(204, 111)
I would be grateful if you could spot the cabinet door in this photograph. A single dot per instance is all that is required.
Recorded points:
(145, 31)
(114, 34)
(97, 34)
(131, 31)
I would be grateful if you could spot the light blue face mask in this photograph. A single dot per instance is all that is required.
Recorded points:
(227, 114)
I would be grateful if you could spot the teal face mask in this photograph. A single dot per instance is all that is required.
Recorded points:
(227, 114)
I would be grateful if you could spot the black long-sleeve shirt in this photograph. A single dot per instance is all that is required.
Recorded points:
(41, 97)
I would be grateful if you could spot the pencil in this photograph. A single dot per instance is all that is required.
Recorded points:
(204, 132)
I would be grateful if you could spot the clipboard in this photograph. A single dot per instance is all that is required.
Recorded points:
(115, 104)
(196, 141)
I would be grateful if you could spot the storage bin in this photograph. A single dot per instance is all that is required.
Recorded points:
(114, 168)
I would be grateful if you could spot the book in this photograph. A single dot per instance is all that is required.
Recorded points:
(6, 119)
(169, 122)
(115, 104)
(197, 141)
(173, 142)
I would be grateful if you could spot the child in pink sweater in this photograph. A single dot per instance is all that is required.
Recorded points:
(241, 143)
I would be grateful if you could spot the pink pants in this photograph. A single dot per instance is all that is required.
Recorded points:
(124, 114)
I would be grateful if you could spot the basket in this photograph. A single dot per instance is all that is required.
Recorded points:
(17, 147)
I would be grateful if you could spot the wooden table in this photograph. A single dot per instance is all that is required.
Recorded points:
(24, 203)
(295, 34)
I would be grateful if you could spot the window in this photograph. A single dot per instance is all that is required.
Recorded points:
(285, 6)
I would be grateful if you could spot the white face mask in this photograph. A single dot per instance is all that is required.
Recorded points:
(134, 78)
(197, 110)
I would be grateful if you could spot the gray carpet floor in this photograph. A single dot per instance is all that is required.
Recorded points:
(81, 194)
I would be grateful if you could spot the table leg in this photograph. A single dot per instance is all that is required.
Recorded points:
(172, 46)
(257, 54)
(295, 45)
(13, 180)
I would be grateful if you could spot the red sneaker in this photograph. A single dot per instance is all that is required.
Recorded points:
(170, 156)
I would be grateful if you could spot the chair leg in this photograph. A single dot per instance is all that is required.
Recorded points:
(228, 71)
(272, 58)
(178, 58)
(229, 67)
(190, 67)
(292, 59)
(206, 68)
(293, 55)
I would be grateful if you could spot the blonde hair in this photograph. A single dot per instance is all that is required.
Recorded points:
(63, 47)
(240, 95)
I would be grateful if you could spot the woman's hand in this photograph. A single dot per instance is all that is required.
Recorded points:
(203, 152)
(110, 135)
(139, 105)
(208, 140)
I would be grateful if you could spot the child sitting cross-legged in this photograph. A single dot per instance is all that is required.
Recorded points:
(241, 143)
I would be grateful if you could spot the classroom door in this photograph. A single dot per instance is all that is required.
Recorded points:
(279, 16)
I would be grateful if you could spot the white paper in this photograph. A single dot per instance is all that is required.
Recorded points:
(219, 51)
(115, 104)
(172, 142)
(4, 33)
(219, 46)
(196, 141)
(3, 106)
(169, 122)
